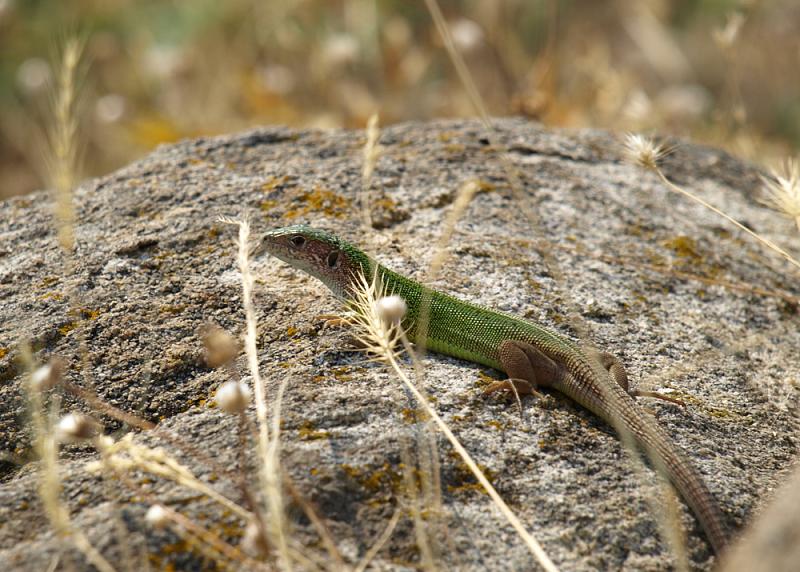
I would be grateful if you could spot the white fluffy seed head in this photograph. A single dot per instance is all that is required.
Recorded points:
(75, 427)
(391, 309)
(643, 152)
(233, 397)
(156, 516)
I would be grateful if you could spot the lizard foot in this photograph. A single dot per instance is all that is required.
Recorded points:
(656, 395)
(516, 386)
(617, 372)
(332, 320)
(526, 367)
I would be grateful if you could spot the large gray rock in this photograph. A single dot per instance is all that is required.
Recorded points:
(772, 542)
(154, 266)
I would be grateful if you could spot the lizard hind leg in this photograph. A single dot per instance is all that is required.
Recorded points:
(526, 367)
(615, 368)
(617, 372)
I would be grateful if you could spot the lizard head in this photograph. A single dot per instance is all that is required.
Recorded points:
(321, 254)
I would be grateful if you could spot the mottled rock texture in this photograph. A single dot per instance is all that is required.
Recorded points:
(687, 303)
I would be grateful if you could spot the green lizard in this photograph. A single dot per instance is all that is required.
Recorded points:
(530, 354)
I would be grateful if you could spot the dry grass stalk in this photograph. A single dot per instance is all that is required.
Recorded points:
(372, 152)
(46, 447)
(317, 522)
(273, 487)
(733, 102)
(91, 399)
(465, 195)
(62, 158)
(421, 475)
(645, 153)
(544, 247)
(159, 516)
(783, 190)
(124, 455)
(422, 480)
(62, 136)
(424, 541)
(675, 536)
(430, 473)
(268, 449)
(380, 337)
(206, 542)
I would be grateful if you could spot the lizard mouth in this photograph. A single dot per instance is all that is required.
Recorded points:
(268, 246)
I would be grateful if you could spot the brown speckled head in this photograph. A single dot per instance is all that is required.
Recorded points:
(323, 255)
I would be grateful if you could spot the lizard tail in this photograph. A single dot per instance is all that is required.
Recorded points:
(613, 404)
(674, 464)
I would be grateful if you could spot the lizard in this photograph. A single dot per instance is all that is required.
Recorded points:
(530, 354)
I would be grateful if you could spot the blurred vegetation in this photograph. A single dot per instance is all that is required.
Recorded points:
(720, 71)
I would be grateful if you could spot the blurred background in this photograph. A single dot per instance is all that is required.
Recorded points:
(723, 72)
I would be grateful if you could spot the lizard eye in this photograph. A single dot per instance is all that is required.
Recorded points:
(333, 258)
(298, 241)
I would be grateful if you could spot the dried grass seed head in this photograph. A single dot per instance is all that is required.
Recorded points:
(782, 188)
(377, 334)
(220, 347)
(642, 151)
(725, 36)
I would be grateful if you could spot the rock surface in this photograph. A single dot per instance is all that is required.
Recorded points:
(154, 266)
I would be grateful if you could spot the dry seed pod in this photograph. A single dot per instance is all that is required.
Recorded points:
(233, 397)
(76, 427)
(156, 516)
(391, 309)
(253, 542)
(48, 375)
(220, 346)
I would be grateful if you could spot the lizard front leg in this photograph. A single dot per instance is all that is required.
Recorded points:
(526, 367)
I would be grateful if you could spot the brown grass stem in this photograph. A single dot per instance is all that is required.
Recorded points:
(530, 541)
(765, 241)
(319, 525)
(125, 455)
(379, 543)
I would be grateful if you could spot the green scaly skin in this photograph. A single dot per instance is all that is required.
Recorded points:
(473, 333)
